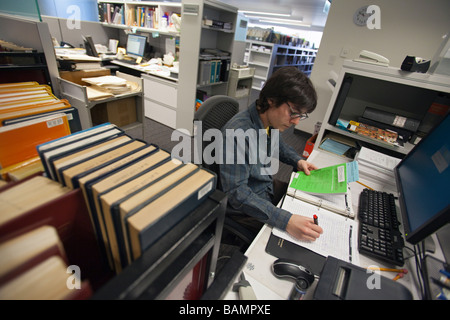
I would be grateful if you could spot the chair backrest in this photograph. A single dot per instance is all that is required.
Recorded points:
(215, 113)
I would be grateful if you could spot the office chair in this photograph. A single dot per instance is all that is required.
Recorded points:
(215, 113)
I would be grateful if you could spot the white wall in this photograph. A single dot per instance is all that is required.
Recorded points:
(408, 27)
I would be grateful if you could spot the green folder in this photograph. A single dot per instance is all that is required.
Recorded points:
(331, 179)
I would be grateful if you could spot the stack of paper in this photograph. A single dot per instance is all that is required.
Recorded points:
(110, 85)
(377, 166)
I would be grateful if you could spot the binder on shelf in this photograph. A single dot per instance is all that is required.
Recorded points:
(18, 141)
(31, 104)
(85, 154)
(204, 73)
(32, 108)
(13, 97)
(151, 219)
(73, 143)
(72, 116)
(391, 119)
(114, 202)
(213, 70)
(218, 70)
(102, 184)
(91, 177)
(26, 89)
(225, 69)
(73, 173)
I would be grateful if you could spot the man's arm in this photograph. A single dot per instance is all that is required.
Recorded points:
(255, 203)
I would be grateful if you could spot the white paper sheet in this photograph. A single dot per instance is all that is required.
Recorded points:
(340, 234)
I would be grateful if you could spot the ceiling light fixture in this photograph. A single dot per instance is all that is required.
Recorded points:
(298, 20)
(245, 12)
(286, 22)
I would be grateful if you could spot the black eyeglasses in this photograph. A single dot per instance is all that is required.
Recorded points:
(296, 115)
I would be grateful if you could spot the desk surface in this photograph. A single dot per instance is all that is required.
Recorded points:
(258, 267)
(162, 71)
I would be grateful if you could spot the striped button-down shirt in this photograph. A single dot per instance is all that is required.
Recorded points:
(248, 181)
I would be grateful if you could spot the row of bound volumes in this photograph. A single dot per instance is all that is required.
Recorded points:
(111, 13)
(134, 191)
(108, 196)
(30, 115)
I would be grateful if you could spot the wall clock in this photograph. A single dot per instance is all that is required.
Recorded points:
(360, 16)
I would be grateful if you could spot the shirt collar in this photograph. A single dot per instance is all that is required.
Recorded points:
(254, 115)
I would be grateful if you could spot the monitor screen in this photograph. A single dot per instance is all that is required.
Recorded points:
(423, 178)
(136, 45)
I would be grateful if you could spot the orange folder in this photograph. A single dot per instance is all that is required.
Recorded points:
(33, 109)
(18, 141)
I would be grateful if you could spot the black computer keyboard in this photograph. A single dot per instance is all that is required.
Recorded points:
(129, 61)
(379, 235)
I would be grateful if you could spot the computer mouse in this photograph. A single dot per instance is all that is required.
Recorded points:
(286, 268)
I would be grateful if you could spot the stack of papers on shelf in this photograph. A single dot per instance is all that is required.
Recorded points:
(337, 144)
(107, 86)
(76, 54)
(377, 166)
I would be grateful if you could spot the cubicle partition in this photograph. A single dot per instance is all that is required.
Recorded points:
(31, 34)
(71, 32)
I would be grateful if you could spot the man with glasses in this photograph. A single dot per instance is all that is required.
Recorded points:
(286, 98)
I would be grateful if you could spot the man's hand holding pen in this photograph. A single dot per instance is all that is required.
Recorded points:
(303, 228)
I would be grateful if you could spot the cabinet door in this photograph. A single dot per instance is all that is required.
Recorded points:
(160, 100)
(160, 113)
(160, 91)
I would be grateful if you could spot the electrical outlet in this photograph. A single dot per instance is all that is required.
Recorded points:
(345, 52)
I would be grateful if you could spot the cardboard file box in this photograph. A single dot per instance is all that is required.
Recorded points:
(120, 112)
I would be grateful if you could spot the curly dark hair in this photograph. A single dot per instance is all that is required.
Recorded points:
(288, 84)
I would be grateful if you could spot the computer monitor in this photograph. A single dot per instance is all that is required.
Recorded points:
(136, 45)
(423, 178)
(89, 46)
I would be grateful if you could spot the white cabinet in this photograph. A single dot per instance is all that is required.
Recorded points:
(258, 55)
(416, 96)
(160, 100)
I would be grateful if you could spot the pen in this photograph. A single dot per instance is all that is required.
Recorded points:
(350, 244)
(316, 219)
